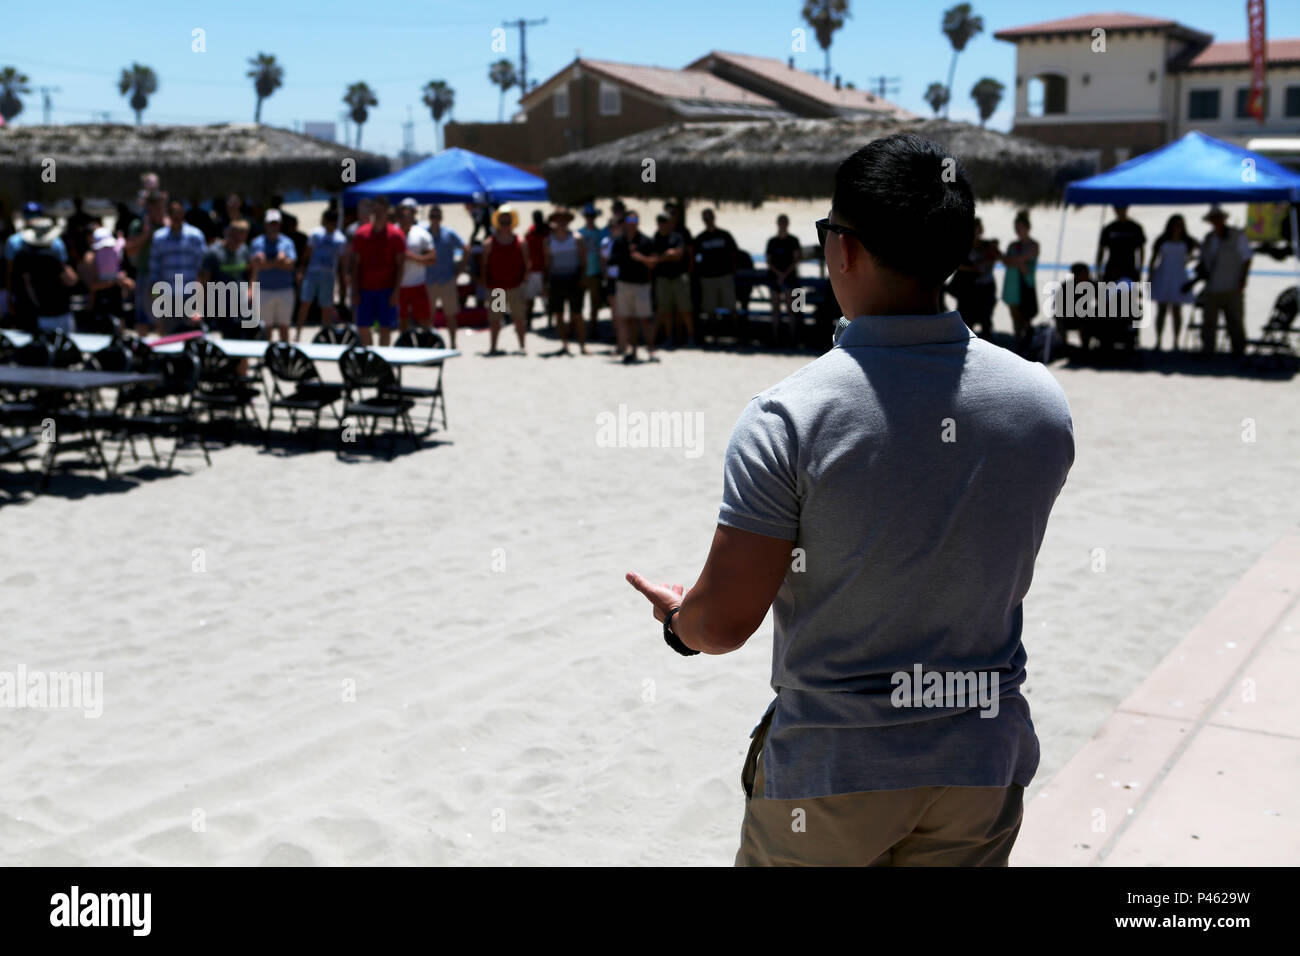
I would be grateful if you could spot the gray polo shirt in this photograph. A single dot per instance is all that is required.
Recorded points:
(913, 468)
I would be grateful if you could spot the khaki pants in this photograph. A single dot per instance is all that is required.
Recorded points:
(924, 826)
(1230, 304)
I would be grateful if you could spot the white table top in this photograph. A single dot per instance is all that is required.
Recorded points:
(254, 348)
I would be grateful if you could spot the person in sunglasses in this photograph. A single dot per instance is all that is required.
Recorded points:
(887, 503)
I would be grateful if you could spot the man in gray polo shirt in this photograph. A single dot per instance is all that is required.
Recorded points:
(887, 501)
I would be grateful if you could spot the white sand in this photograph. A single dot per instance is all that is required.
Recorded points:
(514, 702)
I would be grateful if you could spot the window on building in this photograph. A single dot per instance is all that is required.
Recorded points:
(561, 99)
(1046, 95)
(1243, 97)
(611, 99)
(1203, 105)
(1292, 105)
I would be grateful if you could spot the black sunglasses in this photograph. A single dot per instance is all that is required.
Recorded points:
(825, 225)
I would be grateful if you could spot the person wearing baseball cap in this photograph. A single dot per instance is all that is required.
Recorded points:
(413, 297)
(440, 277)
(632, 254)
(273, 262)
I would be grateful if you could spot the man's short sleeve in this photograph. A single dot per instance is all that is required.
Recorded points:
(760, 488)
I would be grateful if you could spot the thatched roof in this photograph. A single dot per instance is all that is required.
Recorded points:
(105, 160)
(797, 159)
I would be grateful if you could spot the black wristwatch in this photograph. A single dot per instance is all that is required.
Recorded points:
(671, 639)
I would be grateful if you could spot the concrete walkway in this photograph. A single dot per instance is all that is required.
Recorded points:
(1200, 766)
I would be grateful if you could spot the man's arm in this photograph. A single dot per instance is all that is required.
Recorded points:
(732, 596)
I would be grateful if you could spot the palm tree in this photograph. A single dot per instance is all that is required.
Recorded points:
(141, 82)
(959, 25)
(267, 77)
(503, 74)
(936, 94)
(987, 94)
(12, 85)
(440, 98)
(359, 98)
(825, 17)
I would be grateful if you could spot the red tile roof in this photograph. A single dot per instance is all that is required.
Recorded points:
(1237, 53)
(1088, 23)
(803, 83)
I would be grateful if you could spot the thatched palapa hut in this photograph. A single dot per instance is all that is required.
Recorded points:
(797, 159)
(105, 160)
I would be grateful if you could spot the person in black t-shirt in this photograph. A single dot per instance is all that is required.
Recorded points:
(1121, 245)
(716, 261)
(632, 254)
(782, 271)
(672, 285)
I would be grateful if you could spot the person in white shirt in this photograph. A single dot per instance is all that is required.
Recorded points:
(413, 298)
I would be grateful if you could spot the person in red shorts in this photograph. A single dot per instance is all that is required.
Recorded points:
(378, 254)
(413, 297)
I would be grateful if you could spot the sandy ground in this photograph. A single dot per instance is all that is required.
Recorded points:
(436, 660)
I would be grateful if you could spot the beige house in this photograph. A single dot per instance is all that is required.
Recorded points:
(1126, 84)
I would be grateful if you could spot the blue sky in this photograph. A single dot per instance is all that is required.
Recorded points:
(396, 47)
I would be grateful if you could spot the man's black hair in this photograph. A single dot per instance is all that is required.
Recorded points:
(911, 204)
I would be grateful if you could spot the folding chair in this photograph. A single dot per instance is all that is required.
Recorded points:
(338, 335)
(221, 388)
(364, 371)
(424, 338)
(289, 364)
(167, 409)
(1275, 338)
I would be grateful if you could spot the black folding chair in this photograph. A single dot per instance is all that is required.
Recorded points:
(420, 337)
(1276, 338)
(338, 335)
(364, 371)
(288, 364)
(221, 389)
(166, 410)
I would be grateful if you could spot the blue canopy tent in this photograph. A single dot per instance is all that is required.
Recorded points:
(454, 175)
(1195, 168)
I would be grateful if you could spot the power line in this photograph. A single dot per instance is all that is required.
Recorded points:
(885, 86)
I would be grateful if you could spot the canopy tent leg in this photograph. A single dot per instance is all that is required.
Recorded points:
(1295, 242)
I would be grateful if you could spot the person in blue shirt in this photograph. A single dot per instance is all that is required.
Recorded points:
(176, 254)
(320, 265)
(440, 278)
(272, 274)
(592, 237)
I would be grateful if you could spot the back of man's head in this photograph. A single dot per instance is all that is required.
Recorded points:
(910, 203)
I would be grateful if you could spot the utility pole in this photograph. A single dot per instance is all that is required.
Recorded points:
(523, 26)
(885, 86)
(47, 104)
(408, 139)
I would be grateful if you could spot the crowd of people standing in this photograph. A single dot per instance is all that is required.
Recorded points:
(1177, 263)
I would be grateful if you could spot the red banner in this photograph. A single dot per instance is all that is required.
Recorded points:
(1258, 58)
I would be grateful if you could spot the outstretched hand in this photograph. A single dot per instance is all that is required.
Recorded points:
(664, 597)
